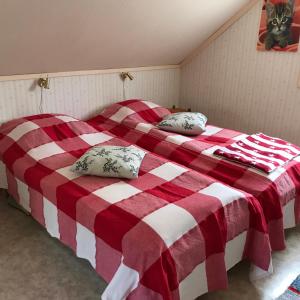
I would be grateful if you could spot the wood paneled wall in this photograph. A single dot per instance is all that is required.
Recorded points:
(83, 96)
(240, 88)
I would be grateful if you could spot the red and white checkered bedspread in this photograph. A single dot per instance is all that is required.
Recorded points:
(161, 236)
(134, 121)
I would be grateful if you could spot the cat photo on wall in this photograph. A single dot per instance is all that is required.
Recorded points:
(279, 27)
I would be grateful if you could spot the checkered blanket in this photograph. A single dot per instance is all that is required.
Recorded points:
(160, 236)
(128, 120)
(261, 152)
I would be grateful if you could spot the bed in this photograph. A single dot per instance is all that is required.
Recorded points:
(169, 234)
(278, 192)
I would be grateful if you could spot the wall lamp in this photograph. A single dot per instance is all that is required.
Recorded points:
(44, 83)
(125, 75)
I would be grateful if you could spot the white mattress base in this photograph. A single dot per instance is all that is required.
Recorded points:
(289, 215)
(3, 178)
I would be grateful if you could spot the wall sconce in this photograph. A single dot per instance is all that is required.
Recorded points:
(44, 83)
(125, 75)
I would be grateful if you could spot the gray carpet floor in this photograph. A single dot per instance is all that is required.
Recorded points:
(35, 266)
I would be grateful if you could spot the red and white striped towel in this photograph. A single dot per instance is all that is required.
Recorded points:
(260, 151)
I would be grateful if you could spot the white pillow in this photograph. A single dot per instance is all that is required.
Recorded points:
(110, 161)
(189, 123)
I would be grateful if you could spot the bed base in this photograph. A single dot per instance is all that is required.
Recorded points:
(15, 205)
(11, 202)
(4, 193)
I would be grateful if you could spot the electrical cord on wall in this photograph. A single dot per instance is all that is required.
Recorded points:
(124, 76)
(43, 83)
(41, 106)
(124, 90)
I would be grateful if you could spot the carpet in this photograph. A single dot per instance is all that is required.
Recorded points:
(293, 292)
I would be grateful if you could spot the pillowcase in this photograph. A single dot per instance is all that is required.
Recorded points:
(189, 123)
(110, 161)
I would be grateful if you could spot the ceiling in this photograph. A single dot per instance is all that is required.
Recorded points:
(67, 35)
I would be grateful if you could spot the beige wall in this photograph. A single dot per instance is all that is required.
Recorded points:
(240, 88)
(83, 96)
(39, 36)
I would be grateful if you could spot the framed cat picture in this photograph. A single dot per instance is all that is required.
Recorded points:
(279, 26)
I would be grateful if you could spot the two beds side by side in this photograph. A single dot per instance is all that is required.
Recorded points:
(172, 233)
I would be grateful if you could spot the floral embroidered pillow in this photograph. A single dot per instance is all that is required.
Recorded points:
(189, 123)
(110, 161)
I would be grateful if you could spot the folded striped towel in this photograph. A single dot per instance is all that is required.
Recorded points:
(260, 151)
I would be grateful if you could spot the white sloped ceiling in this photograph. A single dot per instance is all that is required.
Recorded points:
(65, 35)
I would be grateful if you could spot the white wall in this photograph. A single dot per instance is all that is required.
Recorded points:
(240, 88)
(70, 35)
(232, 83)
(83, 96)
